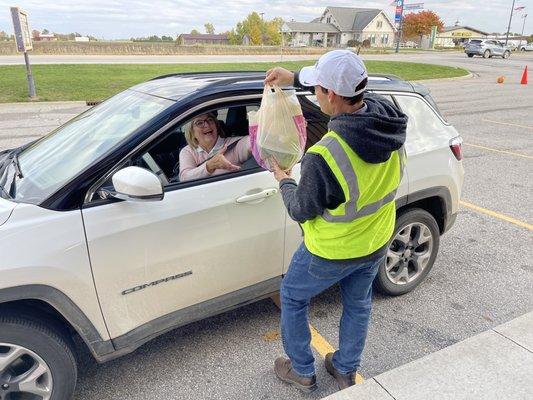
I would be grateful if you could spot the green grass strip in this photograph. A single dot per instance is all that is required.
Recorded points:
(64, 82)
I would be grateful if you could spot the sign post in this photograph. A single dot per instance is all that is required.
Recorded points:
(398, 20)
(433, 37)
(24, 44)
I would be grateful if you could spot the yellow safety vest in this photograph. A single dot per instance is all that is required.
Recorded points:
(365, 221)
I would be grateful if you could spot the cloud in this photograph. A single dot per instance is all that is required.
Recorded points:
(134, 18)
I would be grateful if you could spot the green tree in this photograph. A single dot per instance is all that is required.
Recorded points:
(45, 32)
(273, 31)
(233, 37)
(209, 28)
(195, 32)
(259, 30)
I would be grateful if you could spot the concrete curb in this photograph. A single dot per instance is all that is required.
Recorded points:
(456, 78)
(51, 103)
(492, 365)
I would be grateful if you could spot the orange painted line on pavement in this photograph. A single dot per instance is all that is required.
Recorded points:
(498, 151)
(497, 215)
(508, 123)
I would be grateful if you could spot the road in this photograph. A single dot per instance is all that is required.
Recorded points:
(95, 59)
(483, 275)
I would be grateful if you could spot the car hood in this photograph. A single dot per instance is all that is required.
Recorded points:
(6, 208)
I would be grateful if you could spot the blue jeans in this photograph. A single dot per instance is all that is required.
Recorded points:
(309, 275)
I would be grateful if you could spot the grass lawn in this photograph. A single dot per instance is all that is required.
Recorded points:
(98, 81)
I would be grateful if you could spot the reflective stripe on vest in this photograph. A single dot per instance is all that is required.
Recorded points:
(342, 160)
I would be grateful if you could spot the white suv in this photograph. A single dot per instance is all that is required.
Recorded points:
(99, 238)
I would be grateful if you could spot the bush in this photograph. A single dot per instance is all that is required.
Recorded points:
(353, 43)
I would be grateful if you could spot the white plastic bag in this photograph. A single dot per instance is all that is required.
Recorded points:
(277, 129)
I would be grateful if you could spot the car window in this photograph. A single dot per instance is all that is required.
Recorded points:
(423, 125)
(175, 162)
(57, 158)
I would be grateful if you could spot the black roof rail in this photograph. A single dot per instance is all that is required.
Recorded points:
(206, 73)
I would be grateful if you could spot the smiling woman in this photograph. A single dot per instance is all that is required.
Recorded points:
(209, 151)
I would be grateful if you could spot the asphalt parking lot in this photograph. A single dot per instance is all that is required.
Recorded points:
(483, 275)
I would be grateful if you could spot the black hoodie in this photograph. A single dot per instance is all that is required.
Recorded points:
(373, 134)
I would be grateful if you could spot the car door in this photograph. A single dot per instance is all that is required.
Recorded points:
(208, 245)
(497, 48)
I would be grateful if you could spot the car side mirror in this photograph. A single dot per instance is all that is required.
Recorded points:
(137, 184)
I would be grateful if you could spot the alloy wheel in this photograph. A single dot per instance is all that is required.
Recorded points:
(23, 374)
(409, 253)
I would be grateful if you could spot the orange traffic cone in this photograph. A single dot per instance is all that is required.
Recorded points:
(524, 77)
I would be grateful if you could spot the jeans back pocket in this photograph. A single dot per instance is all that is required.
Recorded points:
(320, 268)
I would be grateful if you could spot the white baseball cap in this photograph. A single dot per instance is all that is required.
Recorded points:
(339, 70)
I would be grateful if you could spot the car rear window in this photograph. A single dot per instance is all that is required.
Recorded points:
(475, 42)
(423, 121)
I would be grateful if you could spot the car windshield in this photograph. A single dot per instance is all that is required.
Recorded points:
(475, 42)
(53, 161)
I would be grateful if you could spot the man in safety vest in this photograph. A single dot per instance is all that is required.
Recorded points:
(345, 205)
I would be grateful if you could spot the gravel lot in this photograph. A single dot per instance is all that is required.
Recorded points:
(483, 275)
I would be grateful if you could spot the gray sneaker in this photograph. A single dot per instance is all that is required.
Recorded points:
(344, 380)
(284, 371)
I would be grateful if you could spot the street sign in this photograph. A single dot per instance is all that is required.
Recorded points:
(413, 6)
(22, 30)
(399, 11)
(24, 44)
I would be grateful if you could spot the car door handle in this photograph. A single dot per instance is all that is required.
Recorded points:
(257, 197)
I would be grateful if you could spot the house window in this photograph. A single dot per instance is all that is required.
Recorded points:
(380, 24)
(385, 38)
(372, 39)
(328, 20)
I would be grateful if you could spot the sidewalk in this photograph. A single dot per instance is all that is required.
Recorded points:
(496, 364)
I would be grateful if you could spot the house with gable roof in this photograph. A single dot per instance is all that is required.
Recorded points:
(337, 25)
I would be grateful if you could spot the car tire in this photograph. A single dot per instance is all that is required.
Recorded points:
(409, 270)
(506, 54)
(486, 54)
(522, 49)
(470, 55)
(42, 357)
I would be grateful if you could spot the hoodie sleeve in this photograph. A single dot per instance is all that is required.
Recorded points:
(318, 189)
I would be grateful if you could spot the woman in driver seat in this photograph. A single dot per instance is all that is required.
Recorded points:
(208, 151)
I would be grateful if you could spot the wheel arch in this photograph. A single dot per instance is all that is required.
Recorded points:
(46, 302)
(436, 201)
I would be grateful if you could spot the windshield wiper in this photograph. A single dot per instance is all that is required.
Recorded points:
(16, 164)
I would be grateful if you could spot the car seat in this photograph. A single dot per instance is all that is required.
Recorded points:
(236, 121)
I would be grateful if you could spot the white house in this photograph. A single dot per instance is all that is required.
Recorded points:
(337, 25)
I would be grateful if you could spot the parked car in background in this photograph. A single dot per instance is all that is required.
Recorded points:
(409, 44)
(527, 47)
(100, 239)
(512, 45)
(487, 48)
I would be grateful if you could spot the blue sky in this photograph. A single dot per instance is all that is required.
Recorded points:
(134, 18)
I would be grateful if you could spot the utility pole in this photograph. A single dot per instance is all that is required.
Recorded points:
(261, 14)
(522, 34)
(509, 26)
